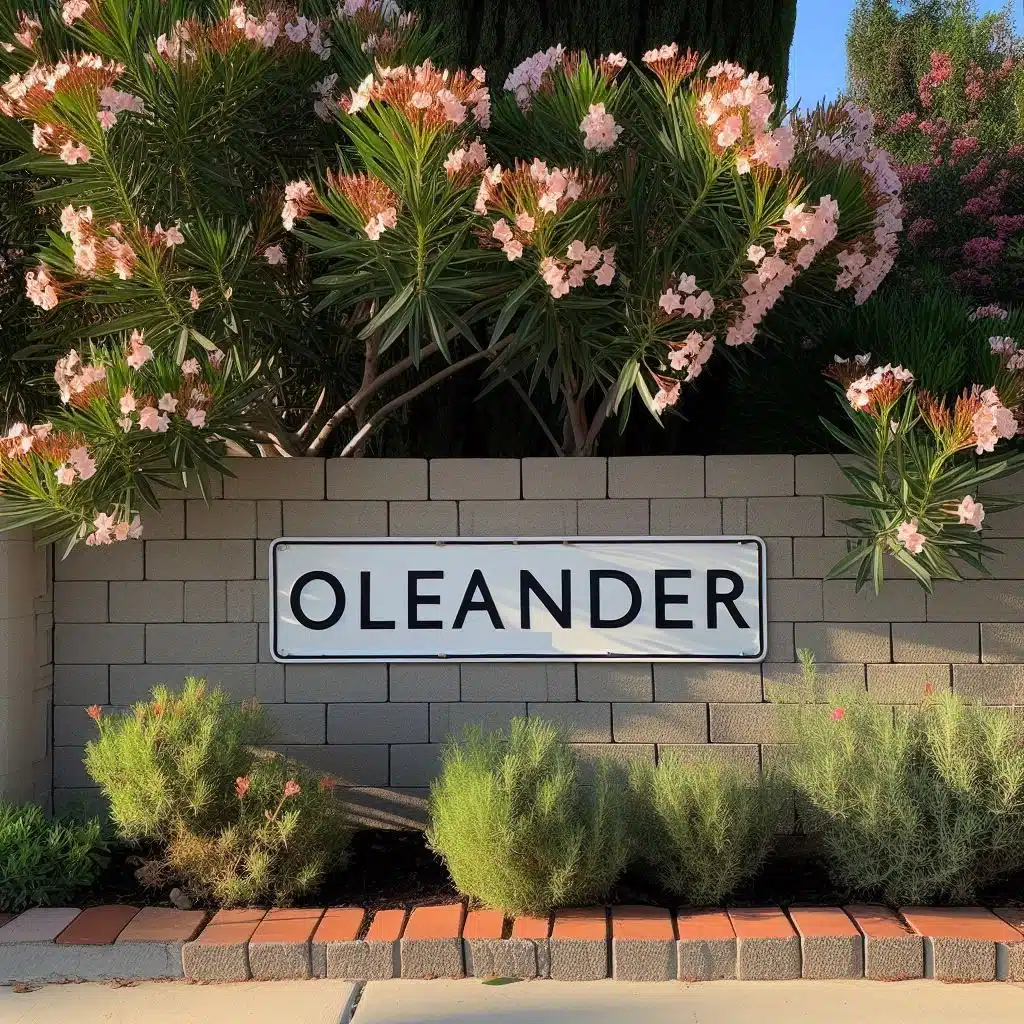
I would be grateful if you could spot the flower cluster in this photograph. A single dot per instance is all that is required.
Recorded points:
(907, 534)
(866, 261)
(110, 528)
(383, 26)
(373, 201)
(990, 312)
(697, 304)
(992, 422)
(77, 381)
(533, 74)
(599, 129)
(691, 354)
(42, 288)
(801, 235)
(736, 108)
(873, 392)
(300, 200)
(534, 189)
(581, 262)
(464, 163)
(670, 66)
(430, 99)
(95, 253)
(941, 71)
(29, 29)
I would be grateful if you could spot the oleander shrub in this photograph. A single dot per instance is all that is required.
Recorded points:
(519, 828)
(230, 820)
(707, 826)
(46, 862)
(919, 806)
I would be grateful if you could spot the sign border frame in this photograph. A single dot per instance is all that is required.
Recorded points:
(458, 659)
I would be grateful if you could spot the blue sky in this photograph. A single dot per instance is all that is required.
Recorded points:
(817, 62)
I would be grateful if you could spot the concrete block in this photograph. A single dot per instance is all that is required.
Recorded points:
(784, 683)
(656, 476)
(501, 958)
(968, 600)
(268, 519)
(112, 562)
(199, 560)
(579, 944)
(206, 601)
(782, 517)
(280, 946)
(211, 488)
(844, 641)
(431, 946)
(582, 723)
(614, 681)
(744, 723)
(246, 601)
(813, 557)
(659, 723)
(72, 727)
(830, 944)
(270, 478)
(296, 723)
(376, 479)
(338, 924)
(795, 600)
(220, 519)
(734, 517)
(746, 756)
(131, 683)
(565, 478)
(375, 957)
(767, 947)
(781, 645)
(327, 684)
(352, 764)
(414, 764)
(41, 963)
(643, 944)
(779, 556)
(740, 476)
(377, 723)
(706, 950)
(990, 684)
(536, 930)
(591, 754)
(530, 681)
(81, 684)
(899, 601)
(425, 682)
(534, 518)
(821, 474)
(212, 643)
(452, 719)
(1002, 642)
(335, 518)
(165, 523)
(959, 942)
(703, 683)
(611, 517)
(682, 517)
(80, 602)
(221, 952)
(1010, 954)
(474, 478)
(68, 767)
(147, 601)
(905, 684)
(423, 518)
(99, 644)
(892, 951)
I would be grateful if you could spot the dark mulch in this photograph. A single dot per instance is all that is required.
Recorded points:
(390, 868)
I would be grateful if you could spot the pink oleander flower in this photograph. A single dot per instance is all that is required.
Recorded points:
(667, 394)
(908, 536)
(190, 368)
(838, 714)
(74, 153)
(982, 251)
(501, 230)
(72, 10)
(82, 463)
(512, 249)
(756, 253)
(193, 298)
(970, 512)
(274, 255)
(196, 417)
(139, 353)
(291, 788)
(29, 29)
(127, 402)
(691, 354)
(882, 387)
(525, 222)
(992, 422)
(40, 288)
(172, 236)
(167, 403)
(107, 119)
(151, 419)
(299, 199)
(242, 784)
(992, 312)
(670, 301)
(599, 129)
(65, 475)
(605, 274)
(526, 78)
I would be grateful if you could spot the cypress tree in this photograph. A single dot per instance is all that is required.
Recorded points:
(499, 34)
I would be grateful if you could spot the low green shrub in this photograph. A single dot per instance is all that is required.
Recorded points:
(707, 826)
(234, 823)
(519, 828)
(46, 862)
(922, 805)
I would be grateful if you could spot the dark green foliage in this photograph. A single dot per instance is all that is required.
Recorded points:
(45, 863)
(755, 33)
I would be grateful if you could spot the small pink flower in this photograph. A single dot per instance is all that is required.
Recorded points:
(190, 368)
(501, 230)
(605, 275)
(193, 298)
(173, 237)
(65, 476)
(525, 222)
(150, 419)
(838, 714)
(167, 403)
(242, 784)
(422, 100)
(127, 403)
(107, 119)
(327, 783)
(291, 788)
(73, 153)
(971, 512)
(576, 251)
(669, 301)
(908, 536)
(756, 253)
(139, 353)
(512, 249)
(84, 465)
(274, 255)
(95, 712)
(197, 417)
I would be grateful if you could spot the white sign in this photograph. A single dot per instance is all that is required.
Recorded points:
(545, 599)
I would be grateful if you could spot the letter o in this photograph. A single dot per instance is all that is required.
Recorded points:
(296, 599)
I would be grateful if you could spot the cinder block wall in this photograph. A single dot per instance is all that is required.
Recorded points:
(26, 668)
(192, 598)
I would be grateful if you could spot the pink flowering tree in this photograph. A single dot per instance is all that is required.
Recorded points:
(920, 464)
(653, 213)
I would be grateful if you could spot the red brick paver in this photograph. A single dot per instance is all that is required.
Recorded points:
(652, 923)
(975, 923)
(386, 926)
(287, 924)
(704, 925)
(230, 927)
(340, 924)
(97, 926)
(589, 923)
(830, 922)
(535, 928)
(39, 924)
(484, 924)
(878, 922)
(760, 923)
(441, 922)
(163, 924)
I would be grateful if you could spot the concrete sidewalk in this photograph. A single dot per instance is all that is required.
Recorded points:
(720, 1002)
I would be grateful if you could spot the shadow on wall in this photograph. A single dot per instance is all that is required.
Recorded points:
(371, 807)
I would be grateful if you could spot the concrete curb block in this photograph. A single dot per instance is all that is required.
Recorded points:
(831, 946)
(706, 950)
(501, 958)
(431, 946)
(578, 946)
(767, 947)
(643, 944)
(38, 962)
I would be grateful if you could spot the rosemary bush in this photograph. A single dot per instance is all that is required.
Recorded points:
(708, 826)
(42, 862)
(233, 823)
(518, 829)
(920, 806)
